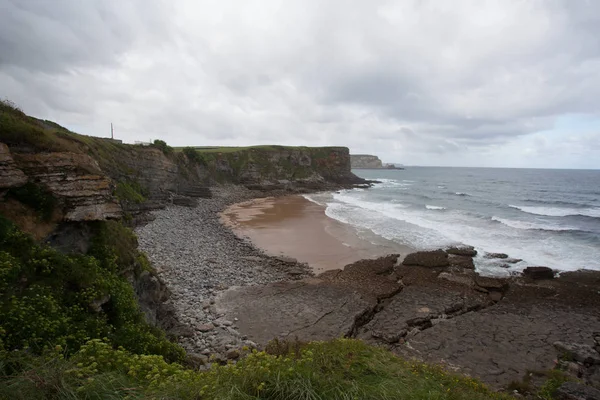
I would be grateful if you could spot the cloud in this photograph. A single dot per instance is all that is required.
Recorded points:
(419, 82)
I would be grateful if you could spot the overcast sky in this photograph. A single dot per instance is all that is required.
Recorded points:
(459, 83)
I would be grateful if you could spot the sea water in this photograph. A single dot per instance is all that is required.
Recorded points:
(544, 217)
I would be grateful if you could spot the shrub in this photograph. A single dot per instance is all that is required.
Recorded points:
(48, 298)
(36, 197)
(163, 146)
(194, 156)
(130, 192)
(338, 369)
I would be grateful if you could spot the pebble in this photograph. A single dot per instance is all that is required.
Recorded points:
(199, 257)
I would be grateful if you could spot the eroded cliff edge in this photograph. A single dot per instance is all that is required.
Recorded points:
(96, 178)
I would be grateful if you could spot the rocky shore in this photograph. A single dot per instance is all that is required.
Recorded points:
(197, 257)
(429, 305)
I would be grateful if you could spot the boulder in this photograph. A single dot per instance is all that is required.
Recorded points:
(537, 273)
(495, 255)
(576, 391)
(468, 251)
(491, 284)
(431, 259)
(205, 328)
(185, 201)
(579, 352)
(461, 261)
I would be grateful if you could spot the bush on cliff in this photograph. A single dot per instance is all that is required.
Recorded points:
(194, 156)
(163, 146)
(49, 299)
(338, 369)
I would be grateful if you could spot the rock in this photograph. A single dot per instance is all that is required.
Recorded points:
(196, 360)
(182, 331)
(76, 181)
(576, 391)
(432, 259)
(488, 283)
(96, 305)
(308, 311)
(233, 354)
(512, 260)
(495, 296)
(457, 278)
(205, 328)
(538, 273)
(461, 261)
(218, 358)
(468, 251)
(11, 175)
(495, 255)
(579, 352)
(296, 272)
(286, 260)
(185, 201)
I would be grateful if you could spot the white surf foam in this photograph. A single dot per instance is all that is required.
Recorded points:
(531, 225)
(429, 207)
(559, 211)
(423, 229)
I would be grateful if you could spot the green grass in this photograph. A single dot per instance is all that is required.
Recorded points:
(337, 369)
(271, 147)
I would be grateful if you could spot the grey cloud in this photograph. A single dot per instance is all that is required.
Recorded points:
(406, 79)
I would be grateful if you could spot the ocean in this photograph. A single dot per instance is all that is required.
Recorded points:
(544, 217)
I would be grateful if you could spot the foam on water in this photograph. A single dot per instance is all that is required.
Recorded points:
(559, 211)
(532, 225)
(402, 216)
(430, 207)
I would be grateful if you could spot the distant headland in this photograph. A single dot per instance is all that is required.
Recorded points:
(367, 161)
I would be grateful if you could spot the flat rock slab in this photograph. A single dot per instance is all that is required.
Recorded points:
(500, 343)
(308, 310)
(417, 308)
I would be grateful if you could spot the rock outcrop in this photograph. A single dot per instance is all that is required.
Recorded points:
(10, 175)
(76, 181)
(365, 161)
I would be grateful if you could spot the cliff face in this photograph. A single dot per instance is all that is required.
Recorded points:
(277, 164)
(365, 161)
(95, 178)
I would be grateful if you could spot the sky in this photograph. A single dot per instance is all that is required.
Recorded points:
(491, 83)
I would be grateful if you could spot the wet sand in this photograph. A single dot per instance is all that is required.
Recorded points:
(296, 227)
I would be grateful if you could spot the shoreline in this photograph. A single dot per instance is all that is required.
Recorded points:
(295, 227)
(229, 294)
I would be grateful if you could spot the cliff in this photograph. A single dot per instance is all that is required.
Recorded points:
(95, 178)
(365, 161)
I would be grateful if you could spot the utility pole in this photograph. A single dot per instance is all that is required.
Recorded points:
(112, 136)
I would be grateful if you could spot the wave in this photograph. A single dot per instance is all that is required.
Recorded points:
(390, 183)
(532, 226)
(559, 212)
(427, 206)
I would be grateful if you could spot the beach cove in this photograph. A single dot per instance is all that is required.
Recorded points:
(230, 292)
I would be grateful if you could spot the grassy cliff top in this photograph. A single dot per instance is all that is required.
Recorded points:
(269, 147)
(20, 129)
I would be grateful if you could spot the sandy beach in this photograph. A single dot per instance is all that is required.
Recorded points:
(295, 227)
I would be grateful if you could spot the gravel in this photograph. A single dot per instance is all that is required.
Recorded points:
(197, 257)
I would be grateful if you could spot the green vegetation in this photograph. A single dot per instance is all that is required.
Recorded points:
(130, 191)
(552, 379)
(339, 369)
(49, 299)
(163, 146)
(194, 156)
(35, 197)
